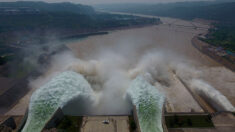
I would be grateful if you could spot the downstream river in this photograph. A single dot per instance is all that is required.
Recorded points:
(165, 49)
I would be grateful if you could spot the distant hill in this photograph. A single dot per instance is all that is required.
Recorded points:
(30, 29)
(225, 0)
(29, 16)
(221, 11)
(185, 10)
(52, 7)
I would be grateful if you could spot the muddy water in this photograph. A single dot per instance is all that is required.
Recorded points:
(171, 39)
(174, 38)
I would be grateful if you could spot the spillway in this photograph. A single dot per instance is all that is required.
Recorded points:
(53, 95)
(216, 98)
(149, 102)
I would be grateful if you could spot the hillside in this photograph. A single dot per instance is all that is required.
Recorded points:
(52, 7)
(26, 25)
(184, 10)
(222, 12)
(29, 16)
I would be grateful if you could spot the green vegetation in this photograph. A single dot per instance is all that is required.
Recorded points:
(29, 26)
(184, 10)
(188, 121)
(61, 16)
(222, 13)
(223, 36)
(64, 21)
(52, 7)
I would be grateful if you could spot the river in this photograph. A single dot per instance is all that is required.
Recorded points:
(169, 48)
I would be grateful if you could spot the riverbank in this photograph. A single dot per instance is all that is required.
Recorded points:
(20, 104)
(213, 53)
(172, 38)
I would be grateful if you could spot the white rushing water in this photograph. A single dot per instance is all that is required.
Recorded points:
(212, 93)
(149, 102)
(53, 95)
(69, 85)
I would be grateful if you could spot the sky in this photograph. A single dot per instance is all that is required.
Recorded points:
(107, 1)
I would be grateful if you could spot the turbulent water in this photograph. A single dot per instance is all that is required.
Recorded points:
(212, 93)
(53, 95)
(149, 102)
(69, 85)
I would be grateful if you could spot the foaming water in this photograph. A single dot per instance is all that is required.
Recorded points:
(53, 95)
(109, 63)
(149, 102)
(212, 93)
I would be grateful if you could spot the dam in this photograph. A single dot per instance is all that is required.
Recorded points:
(172, 69)
(46, 102)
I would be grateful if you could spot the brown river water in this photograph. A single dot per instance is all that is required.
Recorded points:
(165, 49)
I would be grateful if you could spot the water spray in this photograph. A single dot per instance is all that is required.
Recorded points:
(53, 95)
(149, 103)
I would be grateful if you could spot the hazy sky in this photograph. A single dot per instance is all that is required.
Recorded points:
(107, 1)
